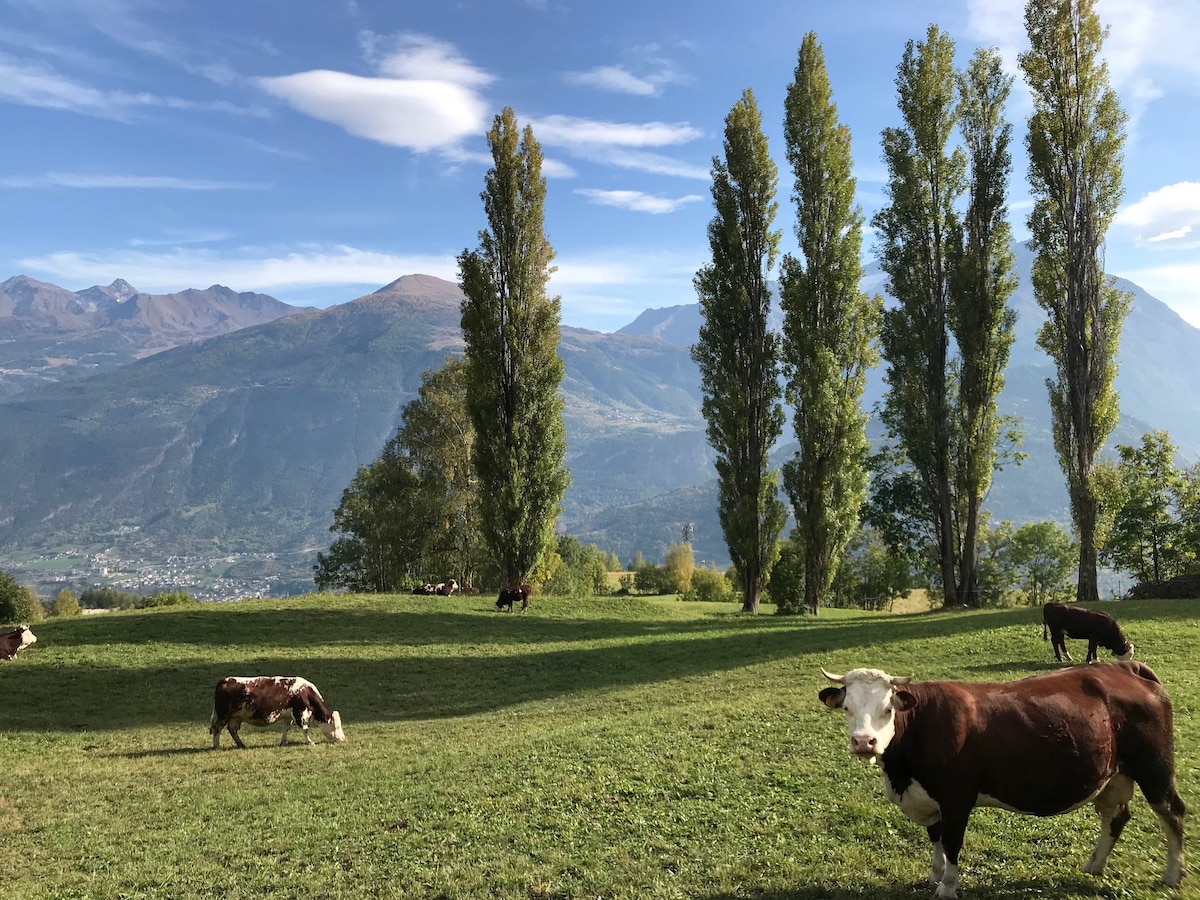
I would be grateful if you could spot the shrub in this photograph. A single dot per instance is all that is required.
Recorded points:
(709, 586)
(107, 598)
(786, 587)
(649, 579)
(677, 573)
(19, 604)
(65, 604)
(167, 598)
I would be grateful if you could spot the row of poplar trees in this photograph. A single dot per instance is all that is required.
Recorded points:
(944, 243)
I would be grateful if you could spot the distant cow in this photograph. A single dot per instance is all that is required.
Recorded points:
(1096, 627)
(13, 641)
(446, 588)
(1042, 745)
(512, 594)
(263, 700)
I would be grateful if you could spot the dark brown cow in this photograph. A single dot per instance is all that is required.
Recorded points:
(12, 641)
(266, 699)
(1042, 745)
(512, 594)
(1096, 627)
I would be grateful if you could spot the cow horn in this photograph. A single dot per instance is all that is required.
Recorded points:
(837, 679)
(900, 679)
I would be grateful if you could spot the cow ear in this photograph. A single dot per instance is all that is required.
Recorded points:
(833, 697)
(903, 700)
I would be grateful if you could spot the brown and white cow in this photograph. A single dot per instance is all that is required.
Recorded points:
(512, 594)
(266, 699)
(12, 641)
(1096, 627)
(1042, 745)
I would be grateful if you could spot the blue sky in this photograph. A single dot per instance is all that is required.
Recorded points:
(316, 150)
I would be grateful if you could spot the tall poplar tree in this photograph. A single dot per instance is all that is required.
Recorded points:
(917, 239)
(511, 328)
(737, 353)
(1076, 140)
(983, 279)
(829, 328)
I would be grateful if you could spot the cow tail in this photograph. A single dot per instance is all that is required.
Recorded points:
(1044, 626)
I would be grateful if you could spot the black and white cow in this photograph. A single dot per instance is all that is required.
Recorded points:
(13, 641)
(1042, 745)
(266, 699)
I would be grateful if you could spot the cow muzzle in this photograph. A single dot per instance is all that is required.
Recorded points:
(864, 745)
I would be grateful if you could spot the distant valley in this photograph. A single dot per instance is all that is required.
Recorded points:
(214, 463)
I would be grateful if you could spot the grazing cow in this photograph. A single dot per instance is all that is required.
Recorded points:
(513, 593)
(1096, 627)
(1042, 745)
(12, 641)
(264, 700)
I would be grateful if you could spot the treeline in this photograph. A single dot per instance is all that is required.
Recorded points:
(21, 603)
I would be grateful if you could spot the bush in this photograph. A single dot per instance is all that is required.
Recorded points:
(786, 587)
(649, 579)
(65, 604)
(677, 573)
(709, 586)
(167, 598)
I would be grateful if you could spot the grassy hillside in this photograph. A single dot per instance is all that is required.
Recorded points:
(609, 748)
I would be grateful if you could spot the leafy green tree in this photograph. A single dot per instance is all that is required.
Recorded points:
(870, 575)
(1075, 139)
(649, 578)
(1043, 555)
(829, 328)
(511, 328)
(786, 587)
(918, 227)
(679, 567)
(737, 353)
(1188, 503)
(1146, 534)
(106, 598)
(410, 515)
(980, 319)
(65, 604)
(13, 601)
(582, 570)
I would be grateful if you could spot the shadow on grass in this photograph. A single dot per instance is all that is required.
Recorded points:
(91, 690)
(168, 752)
(986, 890)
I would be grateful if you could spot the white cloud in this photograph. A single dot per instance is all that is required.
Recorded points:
(420, 115)
(555, 168)
(643, 161)
(637, 201)
(138, 182)
(425, 100)
(1167, 218)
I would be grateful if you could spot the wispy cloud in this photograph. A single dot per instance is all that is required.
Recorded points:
(258, 269)
(425, 97)
(37, 85)
(620, 80)
(1168, 218)
(570, 131)
(114, 181)
(637, 201)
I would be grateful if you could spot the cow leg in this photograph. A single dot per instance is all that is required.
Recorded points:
(937, 867)
(214, 728)
(283, 737)
(233, 733)
(1091, 657)
(954, 828)
(1112, 806)
(1170, 811)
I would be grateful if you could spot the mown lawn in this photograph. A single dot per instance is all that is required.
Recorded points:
(615, 748)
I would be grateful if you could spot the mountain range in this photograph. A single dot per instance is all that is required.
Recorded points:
(231, 448)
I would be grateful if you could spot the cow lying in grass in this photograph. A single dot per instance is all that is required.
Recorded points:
(11, 642)
(1042, 745)
(264, 700)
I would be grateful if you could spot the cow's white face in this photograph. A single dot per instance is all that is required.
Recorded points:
(333, 728)
(27, 637)
(1128, 654)
(870, 701)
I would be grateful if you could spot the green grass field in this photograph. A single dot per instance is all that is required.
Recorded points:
(600, 748)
